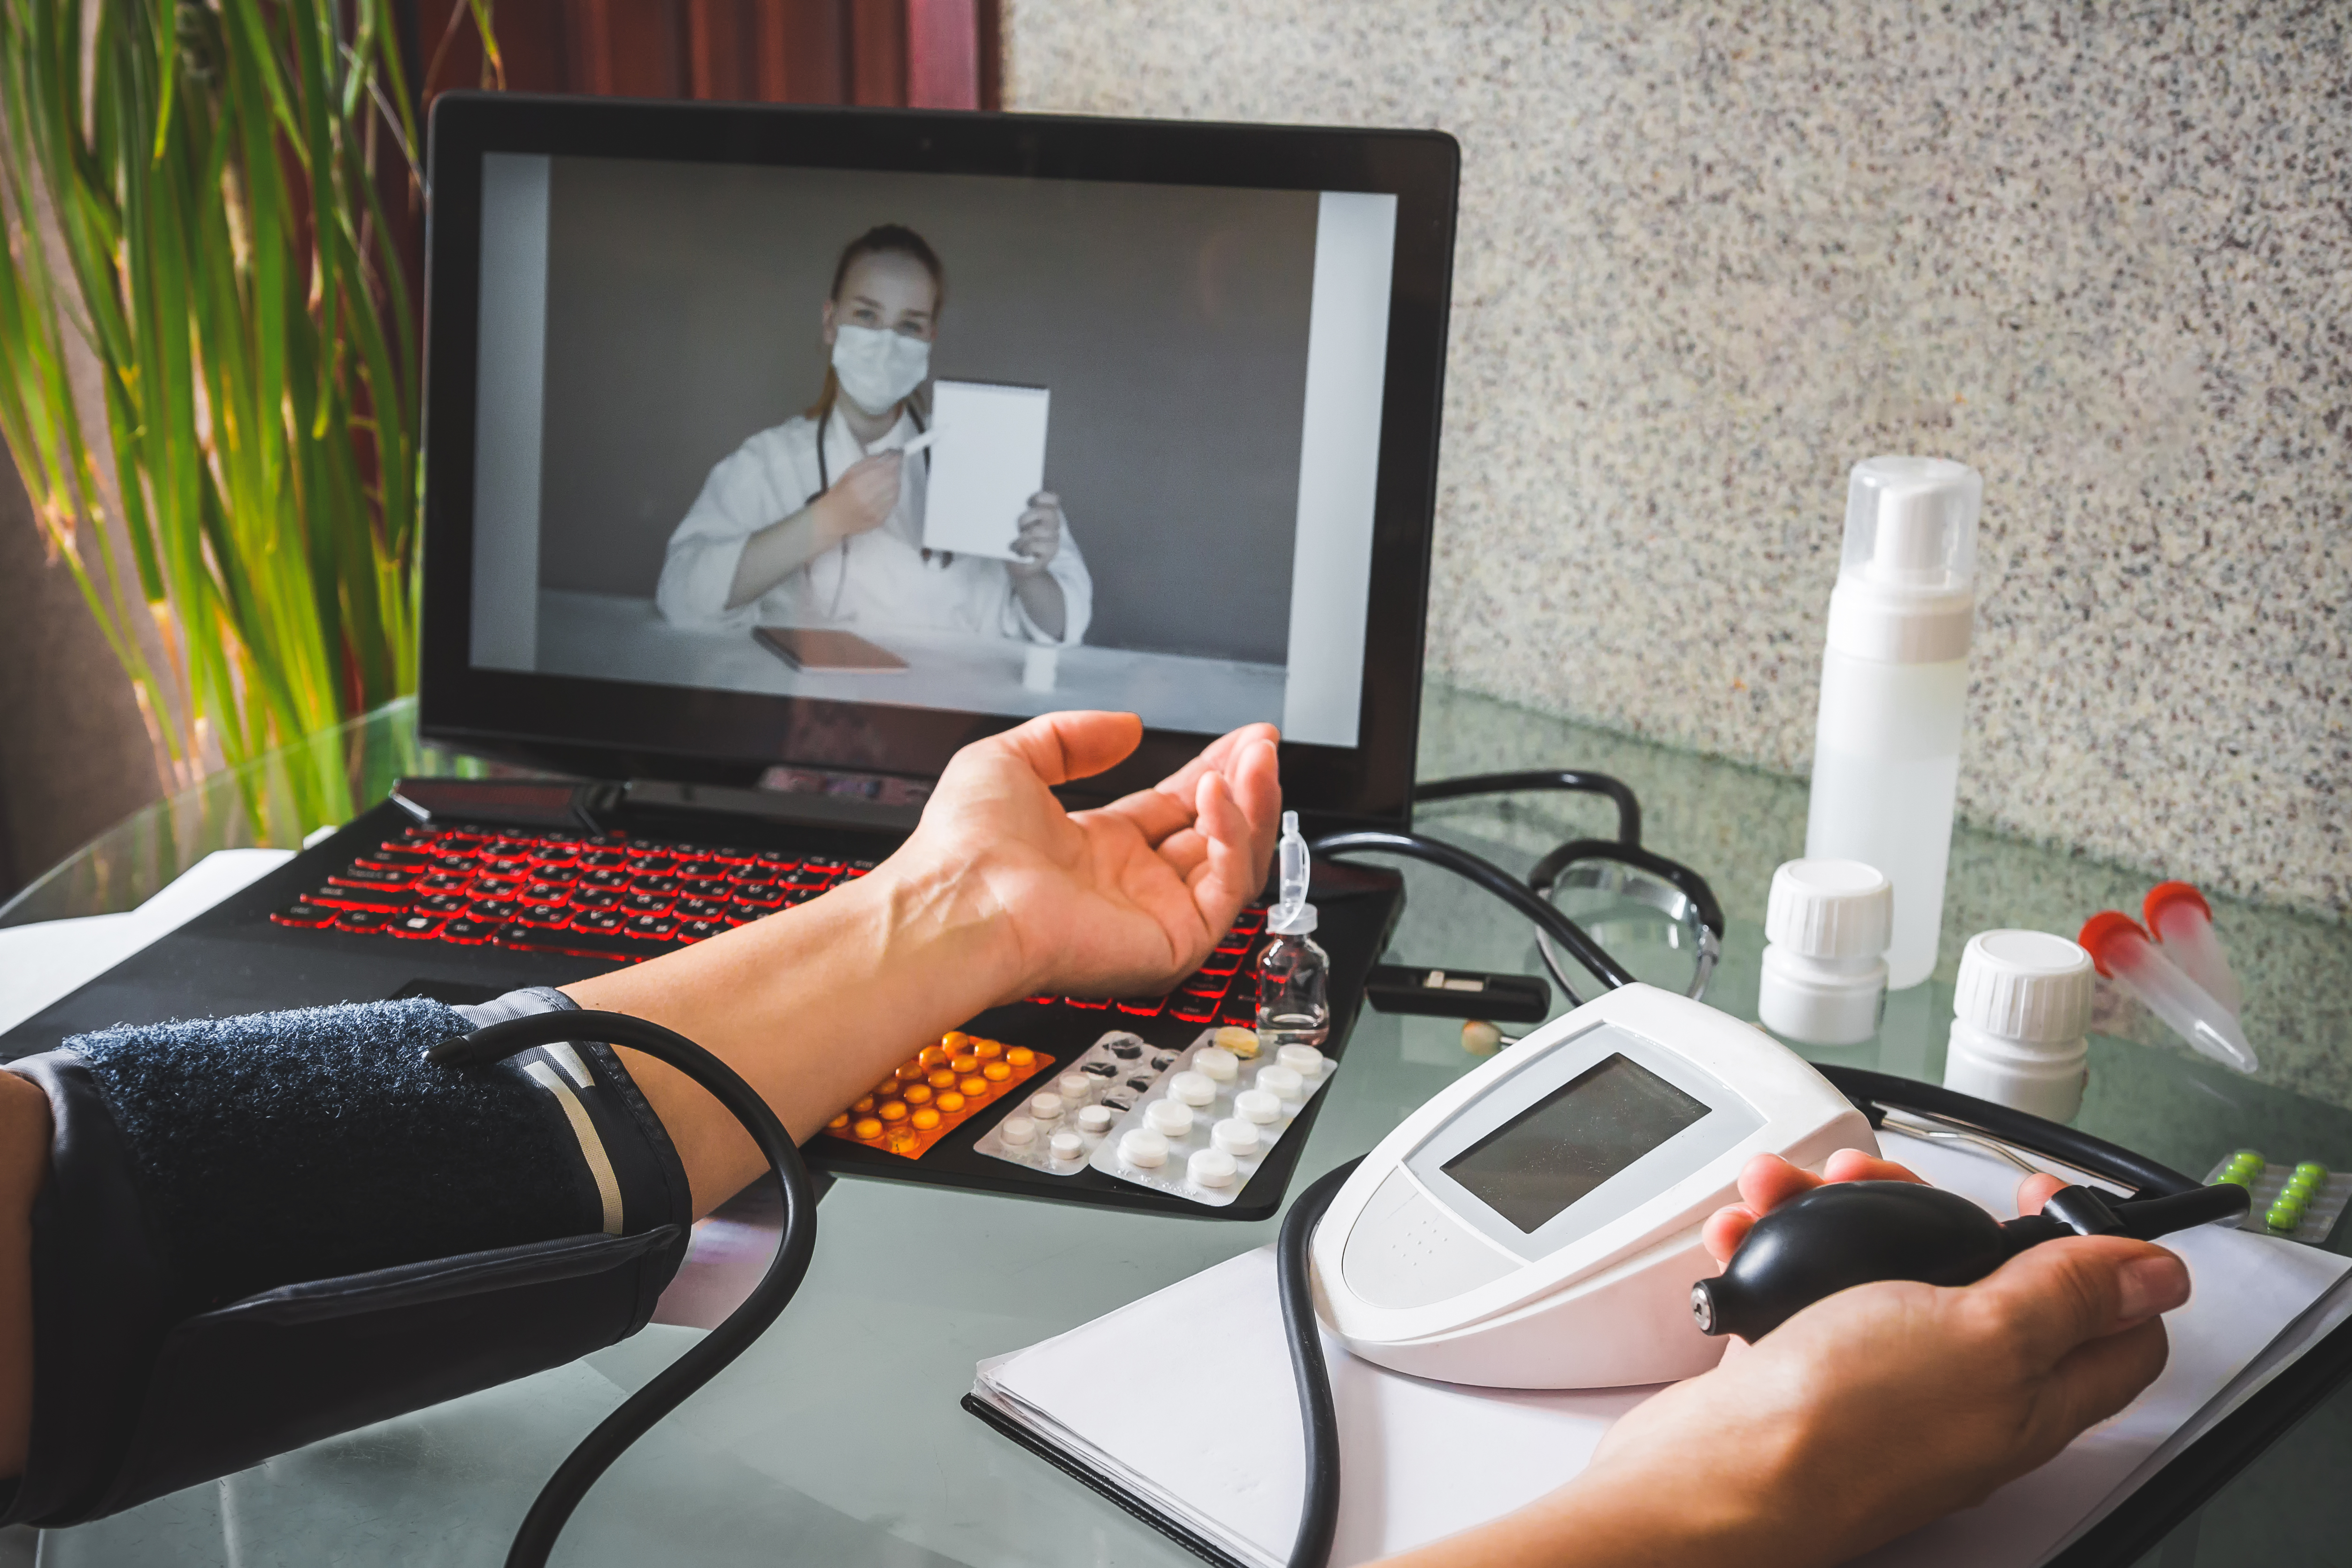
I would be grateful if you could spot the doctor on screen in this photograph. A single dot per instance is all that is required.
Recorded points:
(820, 519)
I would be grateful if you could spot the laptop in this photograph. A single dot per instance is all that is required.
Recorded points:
(644, 324)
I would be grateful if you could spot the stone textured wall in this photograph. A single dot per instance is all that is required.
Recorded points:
(1712, 255)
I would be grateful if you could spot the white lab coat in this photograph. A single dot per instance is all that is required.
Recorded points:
(879, 578)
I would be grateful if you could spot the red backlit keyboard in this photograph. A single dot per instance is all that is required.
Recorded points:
(594, 895)
(610, 896)
(1222, 991)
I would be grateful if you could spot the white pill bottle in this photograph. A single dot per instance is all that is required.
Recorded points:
(1824, 976)
(1895, 687)
(2020, 1018)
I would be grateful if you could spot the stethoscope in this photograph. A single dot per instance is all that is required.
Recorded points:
(824, 483)
(1619, 867)
(1814, 1259)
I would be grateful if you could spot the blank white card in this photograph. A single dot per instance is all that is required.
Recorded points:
(988, 459)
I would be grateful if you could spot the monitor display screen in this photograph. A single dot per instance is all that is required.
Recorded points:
(1152, 415)
(1530, 1169)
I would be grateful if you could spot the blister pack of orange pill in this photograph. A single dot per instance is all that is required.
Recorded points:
(935, 1091)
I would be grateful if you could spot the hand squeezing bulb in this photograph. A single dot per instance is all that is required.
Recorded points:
(2124, 954)
(1853, 1233)
(1292, 972)
(2181, 922)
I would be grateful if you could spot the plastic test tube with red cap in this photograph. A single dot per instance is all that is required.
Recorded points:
(2181, 922)
(2123, 954)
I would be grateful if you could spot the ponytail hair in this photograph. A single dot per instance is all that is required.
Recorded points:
(883, 239)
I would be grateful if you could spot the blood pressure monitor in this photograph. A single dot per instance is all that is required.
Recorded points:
(1536, 1225)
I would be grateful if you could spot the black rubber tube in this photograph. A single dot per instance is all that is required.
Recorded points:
(553, 1506)
(1318, 1512)
(2148, 1218)
(1510, 889)
(1574, 780)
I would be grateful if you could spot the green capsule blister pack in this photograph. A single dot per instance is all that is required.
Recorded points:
(2299, 1201)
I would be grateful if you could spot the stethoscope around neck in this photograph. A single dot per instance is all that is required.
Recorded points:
(946, 558)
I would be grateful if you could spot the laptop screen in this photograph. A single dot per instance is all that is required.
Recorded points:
(761, 433)
(1178, 386)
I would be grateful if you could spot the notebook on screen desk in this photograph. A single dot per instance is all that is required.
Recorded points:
(558, 487)
(824, 648)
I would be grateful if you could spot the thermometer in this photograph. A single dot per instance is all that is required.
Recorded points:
(1536, 1225)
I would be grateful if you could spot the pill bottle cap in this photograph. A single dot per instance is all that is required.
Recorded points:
(1830, 909)
(2026, 985)
(1906, 578)
(1292, 915)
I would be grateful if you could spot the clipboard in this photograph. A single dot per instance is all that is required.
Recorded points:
(821, 650)
(988, 457)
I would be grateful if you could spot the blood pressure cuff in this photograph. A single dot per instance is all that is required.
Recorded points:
(261, 1231)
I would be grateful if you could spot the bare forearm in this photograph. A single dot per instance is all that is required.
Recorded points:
(774, 553)
(1042, 597)
(811, 1005)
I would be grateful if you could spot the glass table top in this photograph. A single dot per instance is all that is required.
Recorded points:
(838, 1438)
(275, 802)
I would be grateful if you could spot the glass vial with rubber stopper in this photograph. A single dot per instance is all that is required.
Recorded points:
(2021, 1022)
(1824, 973)
(2181, 922)
(1895, 684)
(1294, 973)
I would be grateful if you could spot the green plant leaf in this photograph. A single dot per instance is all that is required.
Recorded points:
(205, 178)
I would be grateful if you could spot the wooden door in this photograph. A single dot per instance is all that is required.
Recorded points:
(923, 54)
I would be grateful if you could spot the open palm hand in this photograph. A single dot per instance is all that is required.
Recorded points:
(1118, 900)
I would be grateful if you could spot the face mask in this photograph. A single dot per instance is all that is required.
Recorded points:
(876, 368)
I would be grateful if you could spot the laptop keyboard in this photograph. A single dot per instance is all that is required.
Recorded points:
(625, 899)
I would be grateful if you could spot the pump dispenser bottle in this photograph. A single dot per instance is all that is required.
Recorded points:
(1294, 974)
(1886, 752)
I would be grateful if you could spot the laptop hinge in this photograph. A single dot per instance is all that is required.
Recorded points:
(513, 802)
(881, 802)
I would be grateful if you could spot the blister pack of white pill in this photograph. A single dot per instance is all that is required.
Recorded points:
(1201, 1132)
(1057, 1127)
